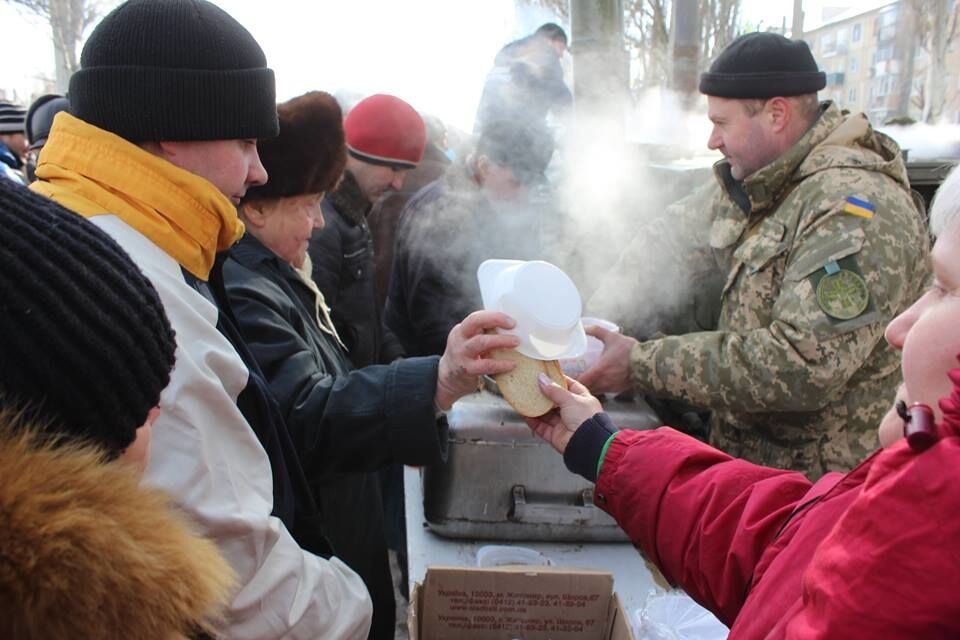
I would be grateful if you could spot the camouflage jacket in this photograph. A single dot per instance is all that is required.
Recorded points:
(818, 251)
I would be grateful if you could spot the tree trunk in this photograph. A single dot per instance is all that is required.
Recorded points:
(68, 19)
(796, 29)
(684, 49)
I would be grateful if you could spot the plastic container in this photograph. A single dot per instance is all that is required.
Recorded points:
(544, 302)
(574, 367)
(494, 555)
(675, 616)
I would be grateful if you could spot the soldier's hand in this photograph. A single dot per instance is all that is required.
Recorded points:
(574, 407)
(463, 361)
(611, 373)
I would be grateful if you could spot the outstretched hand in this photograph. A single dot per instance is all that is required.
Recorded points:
(464, 361)
(611, 373)
(574, 407)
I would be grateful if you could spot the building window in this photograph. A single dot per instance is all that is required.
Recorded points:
(857, 33)
(883, 53)
(854, 64)
(828, 43)
(842, 40)
(852, 95)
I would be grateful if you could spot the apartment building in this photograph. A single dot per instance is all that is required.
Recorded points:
(875, 64)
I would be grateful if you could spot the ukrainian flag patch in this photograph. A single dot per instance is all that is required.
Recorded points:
(859, 207)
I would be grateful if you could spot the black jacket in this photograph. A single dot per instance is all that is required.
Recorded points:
(340, 418)
(293, 500)
(385, 215)
(343, 268)
(342, 421)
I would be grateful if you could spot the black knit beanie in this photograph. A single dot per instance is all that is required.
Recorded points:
(763, 65)
(11, 117)
(85, 346)
(171, 70)
(40, 118)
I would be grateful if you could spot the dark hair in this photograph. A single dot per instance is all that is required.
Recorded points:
(552, 31)
(525, 149)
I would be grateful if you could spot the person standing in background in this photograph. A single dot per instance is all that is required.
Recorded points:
(526, 82)
(39, 120)
(385, 139)
(13, 141)
(477, 210)
(385, 215)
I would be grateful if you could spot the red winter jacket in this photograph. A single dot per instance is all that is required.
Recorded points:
(873, 554)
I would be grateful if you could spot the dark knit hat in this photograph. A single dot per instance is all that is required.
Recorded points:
(763, 65)
(11, 117)
(385, 130)
(159, 70)
(309, 154)
(524, 149)
(86, 347)
(40, 117)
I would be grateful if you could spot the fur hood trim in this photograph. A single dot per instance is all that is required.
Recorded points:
(86, 552)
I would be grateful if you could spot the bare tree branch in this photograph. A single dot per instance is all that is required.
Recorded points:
(68, 20)
(559, 7)
(936, 27)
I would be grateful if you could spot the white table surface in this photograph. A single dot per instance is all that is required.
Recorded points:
(632, 580)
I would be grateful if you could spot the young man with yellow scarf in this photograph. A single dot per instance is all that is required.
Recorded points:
(160, 145)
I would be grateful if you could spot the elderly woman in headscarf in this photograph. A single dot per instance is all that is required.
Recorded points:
(874, 553)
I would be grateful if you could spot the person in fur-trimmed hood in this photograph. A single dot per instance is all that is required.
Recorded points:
(85, 551)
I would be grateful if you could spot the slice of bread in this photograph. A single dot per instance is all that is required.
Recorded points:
(521, 388)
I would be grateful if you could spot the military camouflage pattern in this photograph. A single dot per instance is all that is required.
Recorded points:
(789, 385)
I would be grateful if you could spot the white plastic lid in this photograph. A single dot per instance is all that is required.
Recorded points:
(544, 302)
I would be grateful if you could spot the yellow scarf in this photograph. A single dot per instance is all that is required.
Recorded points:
(94, 172)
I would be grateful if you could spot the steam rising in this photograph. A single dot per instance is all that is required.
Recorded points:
(611, 189)
(927, 142)
(603, 191)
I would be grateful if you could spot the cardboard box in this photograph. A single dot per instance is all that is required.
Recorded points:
(503, 603)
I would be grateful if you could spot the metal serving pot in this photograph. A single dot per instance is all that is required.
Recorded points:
(501, 482)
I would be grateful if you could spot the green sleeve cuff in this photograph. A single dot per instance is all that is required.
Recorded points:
(603, 452)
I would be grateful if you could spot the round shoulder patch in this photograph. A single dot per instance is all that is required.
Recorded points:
(843, 295)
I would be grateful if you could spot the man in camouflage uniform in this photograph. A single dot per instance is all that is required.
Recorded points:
(818, 242)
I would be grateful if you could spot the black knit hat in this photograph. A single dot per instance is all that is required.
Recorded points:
(40, 117)
(309, 154)
(524, 149)
(164, 70)
(763, 65)
(85, 346)
(11, 117)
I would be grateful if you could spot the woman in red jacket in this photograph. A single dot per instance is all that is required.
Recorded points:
(871, 554)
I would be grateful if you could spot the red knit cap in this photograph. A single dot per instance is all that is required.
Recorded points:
(385, 130)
